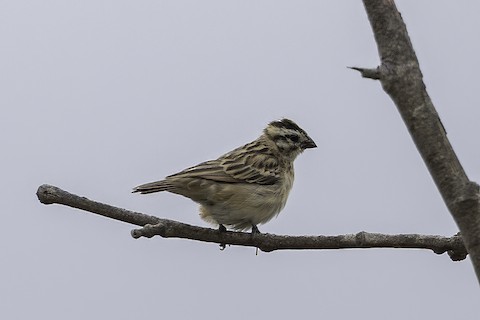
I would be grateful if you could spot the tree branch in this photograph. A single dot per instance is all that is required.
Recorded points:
(266, 242)
(402, 80)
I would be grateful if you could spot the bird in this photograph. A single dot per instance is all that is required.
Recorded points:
(245, 187)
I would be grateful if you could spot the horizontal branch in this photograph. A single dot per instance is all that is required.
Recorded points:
(266, 242)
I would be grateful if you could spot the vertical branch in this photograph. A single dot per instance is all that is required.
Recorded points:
(401, 78)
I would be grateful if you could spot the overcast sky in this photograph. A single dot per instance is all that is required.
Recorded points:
(100, 96)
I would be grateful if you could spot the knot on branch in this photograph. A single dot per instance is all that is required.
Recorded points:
(459, 252)
(150, 230)
(457, 255)
(361, 238)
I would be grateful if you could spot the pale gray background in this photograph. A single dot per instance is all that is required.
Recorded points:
(99, 96)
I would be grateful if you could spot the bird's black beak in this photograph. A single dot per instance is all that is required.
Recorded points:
(308, 144)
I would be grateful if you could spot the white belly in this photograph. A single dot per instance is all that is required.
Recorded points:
(239, 206)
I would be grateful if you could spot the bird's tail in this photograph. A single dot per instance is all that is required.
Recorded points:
(152, 187)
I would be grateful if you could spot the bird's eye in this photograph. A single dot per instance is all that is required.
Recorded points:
(293, 137)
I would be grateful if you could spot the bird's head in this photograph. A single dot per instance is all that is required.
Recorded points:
(288, 137)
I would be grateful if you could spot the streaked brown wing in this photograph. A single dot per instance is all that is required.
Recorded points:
(248, 164)
(211, 170)
(253, 168)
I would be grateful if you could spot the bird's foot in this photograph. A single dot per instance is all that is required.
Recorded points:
(255, 231)
(222, 229)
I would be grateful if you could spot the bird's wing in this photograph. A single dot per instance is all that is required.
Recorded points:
(256, 168)
(239, 166)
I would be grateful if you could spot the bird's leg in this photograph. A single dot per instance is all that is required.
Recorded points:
(222, 229)
(255, 231)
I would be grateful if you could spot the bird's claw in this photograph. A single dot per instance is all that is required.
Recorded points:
(255, 229)
(222, 229)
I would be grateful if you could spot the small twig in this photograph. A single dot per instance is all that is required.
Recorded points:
(266, 242)
(368, 73)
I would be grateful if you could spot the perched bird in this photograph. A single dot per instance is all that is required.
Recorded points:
(247, 186)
